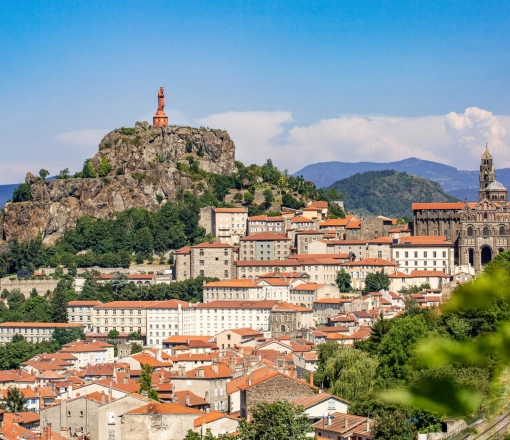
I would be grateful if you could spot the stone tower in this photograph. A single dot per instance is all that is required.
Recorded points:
(490, 188)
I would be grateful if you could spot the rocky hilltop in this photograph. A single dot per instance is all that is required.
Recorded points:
(142, 169)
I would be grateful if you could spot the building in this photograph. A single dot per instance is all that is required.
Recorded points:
(263, 223)
(357, 249)
(123, 316)
(288, 319)
(169, 318)
(237, 337)
(229, 224)
(32, 331)
(341, 426)
(360, 269)
(306, 293)
(82, 313)
(217, 316)
(321, 404)
(264, 246)
(212, 259)
(433, 253)
(305, 238)
(90, 352)
(479, 230)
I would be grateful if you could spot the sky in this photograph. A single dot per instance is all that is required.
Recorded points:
(296, 81)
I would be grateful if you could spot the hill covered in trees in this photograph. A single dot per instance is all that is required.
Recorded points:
(388, 192)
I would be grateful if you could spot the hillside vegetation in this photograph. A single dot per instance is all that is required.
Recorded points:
(388, 193)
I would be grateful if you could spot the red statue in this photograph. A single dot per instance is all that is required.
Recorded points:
(161, 119)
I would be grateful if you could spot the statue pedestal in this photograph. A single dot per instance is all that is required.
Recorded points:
(160, 121)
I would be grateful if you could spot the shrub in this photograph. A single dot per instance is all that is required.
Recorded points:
(23, 193)
(104, 167)
(138, 176)
(189, 146)
(127, 131)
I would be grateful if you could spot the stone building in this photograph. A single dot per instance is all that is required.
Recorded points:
(212, 259)
(478, 230)
(264, 246)
(263, 223)
(305, 238)
(288, 319)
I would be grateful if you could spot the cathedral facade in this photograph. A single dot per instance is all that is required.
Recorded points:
(479, 230)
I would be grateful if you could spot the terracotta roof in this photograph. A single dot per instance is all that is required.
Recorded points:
(146, 359)
(126, 305)
(257, 376)
(438, 206)
(246, 331)
(232, 283)
(319, 204)
(27, 392)
(354, 224)
(183, 250)
(194, 400)
(132, 385)
(314, 399)
(336, 222)
(261, 304)
(333, 301)
(180, 339)
(265, 236)
(381, 240)
(209, 373)
(21, 417)
(226, 210)
(347, 425)
(211, 417)
(82, 303)
(163, 408)
(214, 244)
(301, 220)
(429, 273)
(308, 287)
(39, 324)
(169, 304)
(15, 376)
(424, 239)
(372, 262)
(85, 346)
(293, 307)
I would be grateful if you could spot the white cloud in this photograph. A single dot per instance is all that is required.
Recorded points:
(475, 127)
(453, 139)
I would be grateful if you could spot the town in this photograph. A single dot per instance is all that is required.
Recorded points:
(283, 285)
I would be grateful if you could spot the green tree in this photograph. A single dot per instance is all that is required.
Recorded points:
(62, 336)
(146, 382)
(104, 167)
(63, 174)
(135, 335)
(291, 202)
(351, 373)
(58, 303)
(14, 401)
(43, 173)
(136, 348)
(278, 420)
(248, 198)
(22, 193)
(192, 435)
(343, 281)
(119, 281)
(88, 170)
(238, 198)
(376, 281)
(268, 198)
(113, 334)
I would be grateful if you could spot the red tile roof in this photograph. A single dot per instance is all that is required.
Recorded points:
(438, 206)
(211, 417)
(163, 408)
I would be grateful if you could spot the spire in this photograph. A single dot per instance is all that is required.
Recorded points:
(486, 153)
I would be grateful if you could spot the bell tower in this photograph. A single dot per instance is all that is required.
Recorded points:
(487, 172)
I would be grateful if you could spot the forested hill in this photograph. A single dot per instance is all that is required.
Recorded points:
(388, 193)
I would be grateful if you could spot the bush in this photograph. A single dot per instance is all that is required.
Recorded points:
(104, 167)
(23, 193)
(138, 176)
(127, 131)
(88, 170)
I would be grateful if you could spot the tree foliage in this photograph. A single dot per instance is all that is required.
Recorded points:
(146, 382)
(14, 401)
(343, 281)
(22, 193)
(377, 281)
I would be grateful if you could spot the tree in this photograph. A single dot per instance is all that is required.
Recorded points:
(15, 401)
(88, 170)
(113, 334)
(192, 435)
(351, 373)
(62, 336)
(23, 193)
(136, 348)
(119, 281)
(291, 202)
(43, 173)
(63, 174)
(58, 302)
(268, 198)
(278, 420)
(238, 198)
(376, 281)
(135, 335)
(104, 167)
(343, 281)
(146, 382)
(248, 198)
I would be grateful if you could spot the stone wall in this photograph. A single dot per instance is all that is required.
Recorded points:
(206, 219)
(26, 286)
(213, 262)
(274, 389)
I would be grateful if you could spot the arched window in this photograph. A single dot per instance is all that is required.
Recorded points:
(501, 230)
(470, 231)
(485, 231)
(434, 232)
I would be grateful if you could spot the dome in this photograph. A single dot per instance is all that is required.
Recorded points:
(495, 186)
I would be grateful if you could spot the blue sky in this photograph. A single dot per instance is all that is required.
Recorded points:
(327, 80)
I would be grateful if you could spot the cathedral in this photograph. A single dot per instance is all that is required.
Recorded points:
(479, 230)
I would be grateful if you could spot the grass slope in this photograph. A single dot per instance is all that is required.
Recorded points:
(388, 193)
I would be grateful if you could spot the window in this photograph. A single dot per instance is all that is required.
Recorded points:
(406, 255)
(424, 254)
(396, 254)
(485, 231)
(379, 254)
(415, 254)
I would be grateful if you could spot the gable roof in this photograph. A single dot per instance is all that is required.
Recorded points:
(163, 408)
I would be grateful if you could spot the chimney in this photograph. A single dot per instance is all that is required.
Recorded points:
(249, 381)
(214, 366)
(368, 425)
(232, 364)
(70, 392)
(187, 399)
(329, 420)
(182, 370)
(103, 398)
(311, 378)
(346, 422)
(125, 379)
(110, 391)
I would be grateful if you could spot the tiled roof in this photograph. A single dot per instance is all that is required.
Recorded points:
(429, 273)
(82, 303)
(372, 262)
(308, 287)
(163, 408)
(180, 339)
(354, 224)
(183, 251)
(212, 245)
(347, 425)
(336, 222)
(262, 304)
(438, 206)
(39, 324)
(265, 263)
(211, 417)
(232, 283)
(126, 305)
(246, 331)
(169, 304)
(194, 400)
(226, 210)
(265, 236)
(301, 220)
(321, 204)
(293, 307)
(21, 417)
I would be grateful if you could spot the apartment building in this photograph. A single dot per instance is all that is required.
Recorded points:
(90, 352)
(32, 331)
(360, 269)
(303, 223)
(229, 224)
(306, 293)
(232, 290)
(169, 318)
(217, 316)
(263, 223)
(264, 246)
(380, 248)
(123, 316)
(212, 259)
(358, 248)
(424, 253)
(305, 238)
(82, 312)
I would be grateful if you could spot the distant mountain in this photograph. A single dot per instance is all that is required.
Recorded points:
(388, 193)
(461, 184)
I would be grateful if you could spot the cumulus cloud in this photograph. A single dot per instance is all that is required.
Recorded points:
(453, 139)
(475, 127)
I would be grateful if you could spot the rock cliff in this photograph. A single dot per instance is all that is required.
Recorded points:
(143, 172)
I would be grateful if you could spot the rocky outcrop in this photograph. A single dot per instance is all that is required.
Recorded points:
(143, 173)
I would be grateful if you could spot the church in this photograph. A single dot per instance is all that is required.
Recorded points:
(479, 230)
